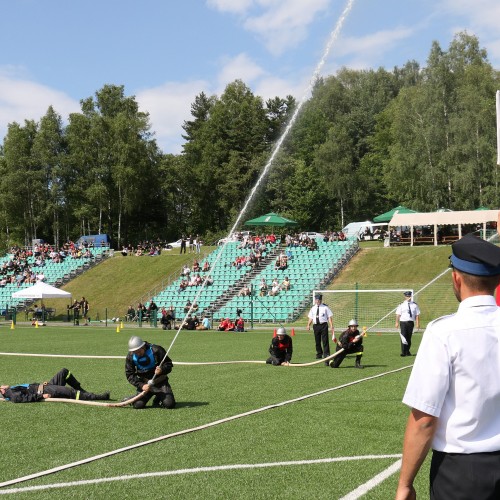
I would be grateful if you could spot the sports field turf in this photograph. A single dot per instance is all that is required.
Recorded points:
(311, 448)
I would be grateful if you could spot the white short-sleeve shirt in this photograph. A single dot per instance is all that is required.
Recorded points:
(324, 313)
(456, 377)
(404, 309)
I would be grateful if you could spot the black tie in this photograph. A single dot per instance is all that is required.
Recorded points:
(409, 309)
(317, 316)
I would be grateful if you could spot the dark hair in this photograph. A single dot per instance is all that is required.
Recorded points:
(480, 283)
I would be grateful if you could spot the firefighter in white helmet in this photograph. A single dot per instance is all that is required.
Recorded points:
(281, 349)
(351, 341)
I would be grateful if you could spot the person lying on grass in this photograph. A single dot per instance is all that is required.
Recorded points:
(62, 385)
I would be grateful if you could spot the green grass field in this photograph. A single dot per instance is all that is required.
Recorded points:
(357, 420)
(329, 445)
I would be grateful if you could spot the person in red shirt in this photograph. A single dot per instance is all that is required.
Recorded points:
(351, 341)
(281, 349)
(229, 325)
(240, 325)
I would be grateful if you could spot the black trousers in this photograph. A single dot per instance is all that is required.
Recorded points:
(275, 360)
(160, 390)
(465, 477)
(63, 385)
(355, 349)
(406, 332)
(322, 340)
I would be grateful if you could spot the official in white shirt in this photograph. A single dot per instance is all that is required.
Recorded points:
(454, 387)
(320, 316)
(408, 316)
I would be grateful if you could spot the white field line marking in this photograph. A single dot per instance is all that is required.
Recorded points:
(373, 482)
(58, 355)
(193, 429)
(195, 470)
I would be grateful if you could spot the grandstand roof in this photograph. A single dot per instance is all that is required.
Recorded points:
(445, 218)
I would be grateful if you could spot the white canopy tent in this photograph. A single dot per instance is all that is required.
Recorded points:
(444, 218)
(41, 290)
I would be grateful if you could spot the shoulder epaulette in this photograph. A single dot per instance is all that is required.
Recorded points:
(440, 319)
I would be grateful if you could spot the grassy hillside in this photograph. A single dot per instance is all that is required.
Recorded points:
(395, 265)
(120, 281)
(403, 267)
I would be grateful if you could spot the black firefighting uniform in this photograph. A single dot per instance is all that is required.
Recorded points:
(280, 350)
(350, 347)
(62, 385)
(140, 370)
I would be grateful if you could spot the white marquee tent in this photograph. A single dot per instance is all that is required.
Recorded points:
(41, 291)
(444, 218)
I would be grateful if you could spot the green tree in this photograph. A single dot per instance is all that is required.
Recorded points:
(220, 154)
(116, 160)
(22, 183)
(48, 153)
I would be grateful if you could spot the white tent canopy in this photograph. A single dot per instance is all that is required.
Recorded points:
(445, 218)
(41, 291)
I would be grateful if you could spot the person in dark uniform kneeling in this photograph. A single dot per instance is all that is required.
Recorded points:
(351, 341)
(281, 349)
(146, 368)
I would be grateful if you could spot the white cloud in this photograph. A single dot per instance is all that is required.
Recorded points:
(261, 82)
(482, 13)
(284, 23)
(493, 49)
(239, 67)
(234, 6)
(22, 99)
(481, 17)
(271, 86)
(280, 24)
(375, 43)
(168, 106)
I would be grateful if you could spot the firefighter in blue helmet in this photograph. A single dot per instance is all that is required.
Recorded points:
(146, 368)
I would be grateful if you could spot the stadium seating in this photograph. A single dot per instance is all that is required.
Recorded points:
(307, 270)
(55, 274)
(225, 277)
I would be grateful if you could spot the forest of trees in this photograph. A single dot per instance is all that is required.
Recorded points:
(364, 142)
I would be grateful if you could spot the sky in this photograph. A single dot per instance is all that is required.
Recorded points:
(166, 52)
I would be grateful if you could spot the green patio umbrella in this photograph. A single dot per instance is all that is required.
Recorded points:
(271, 219)
(387, 216)
(481, 208)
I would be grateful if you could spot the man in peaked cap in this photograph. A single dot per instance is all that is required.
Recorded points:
(473, 255)
(408, 317)
(454, 388)
(320, 316)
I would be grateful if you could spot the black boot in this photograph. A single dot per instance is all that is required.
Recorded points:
(89, 396)
(358, 362)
